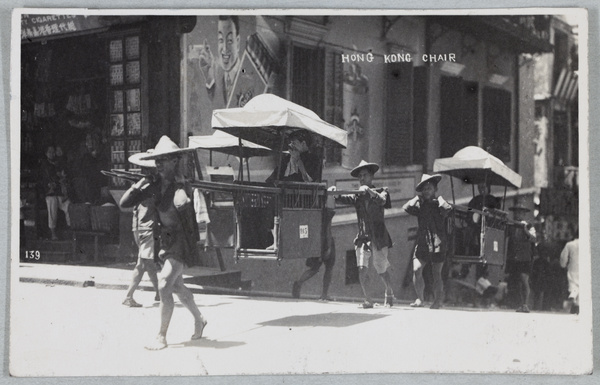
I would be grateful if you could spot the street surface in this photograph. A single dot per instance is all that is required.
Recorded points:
(77, 331)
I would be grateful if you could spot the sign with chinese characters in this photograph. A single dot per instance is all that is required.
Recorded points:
(33, 26)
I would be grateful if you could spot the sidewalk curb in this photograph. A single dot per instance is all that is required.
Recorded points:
(196, 289)
(48, 281)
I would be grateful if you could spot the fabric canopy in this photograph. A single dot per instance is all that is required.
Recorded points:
(265, 118)
(474, 165)
(228, 144)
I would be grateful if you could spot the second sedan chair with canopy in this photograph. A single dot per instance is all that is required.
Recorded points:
(473, 165)
(225, 143)
(219, 207)
(282, 219)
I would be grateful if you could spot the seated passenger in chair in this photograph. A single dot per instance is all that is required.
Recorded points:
(300, 165)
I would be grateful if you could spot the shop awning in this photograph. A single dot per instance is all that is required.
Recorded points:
(566, 86)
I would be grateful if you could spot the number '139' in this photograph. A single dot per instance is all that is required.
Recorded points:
(32, 254)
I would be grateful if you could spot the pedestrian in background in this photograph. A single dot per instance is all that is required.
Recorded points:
(520, 253)
(431, 211)
(144, 227)
(373, 239)
(569, 259)
(53, 180)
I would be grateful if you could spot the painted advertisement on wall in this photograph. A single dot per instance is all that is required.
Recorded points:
(229, 60)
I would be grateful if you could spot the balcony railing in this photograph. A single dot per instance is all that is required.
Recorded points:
(523, 33)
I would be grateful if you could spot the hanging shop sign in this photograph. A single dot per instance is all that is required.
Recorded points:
(41, 26)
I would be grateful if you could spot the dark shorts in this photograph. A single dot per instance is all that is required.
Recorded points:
(426, 257)
(518, 267)
(173, 244)
(146, 243)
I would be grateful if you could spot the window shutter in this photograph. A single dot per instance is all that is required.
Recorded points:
(497, 122)
(399, 107)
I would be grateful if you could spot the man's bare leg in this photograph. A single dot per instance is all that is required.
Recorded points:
(186, 297)
(330, 252)
(306, 275)
(326, 283)
(363, 279)
(385, 277)
(150, 268)
(138, 273)
(389, 292)
(168, 276)
(418, 282)
(438, 285)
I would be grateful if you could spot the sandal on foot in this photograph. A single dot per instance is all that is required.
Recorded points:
(197, 336)
(130, 302)
(388, 301)
(417, 303)
(158, 344)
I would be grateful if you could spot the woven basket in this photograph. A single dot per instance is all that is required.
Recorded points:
(80, 216)
(105, 219)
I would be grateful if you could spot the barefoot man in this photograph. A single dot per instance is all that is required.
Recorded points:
(178, 234)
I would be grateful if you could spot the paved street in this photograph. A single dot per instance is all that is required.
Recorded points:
(76, 331)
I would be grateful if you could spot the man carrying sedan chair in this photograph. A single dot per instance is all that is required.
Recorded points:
(431, 211)
(178, 233)
(373, 239)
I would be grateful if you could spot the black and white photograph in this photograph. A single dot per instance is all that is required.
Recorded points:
(228, 192)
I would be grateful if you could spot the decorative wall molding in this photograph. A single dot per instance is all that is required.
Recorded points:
(306, 31)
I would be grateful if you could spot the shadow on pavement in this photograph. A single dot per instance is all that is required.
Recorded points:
(324, 319)
(208, 343)
(199, 304)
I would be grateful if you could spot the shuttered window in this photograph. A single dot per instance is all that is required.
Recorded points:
(317, 81)
(399, 111)
(497, 122)
(419, 142)
(458, 115)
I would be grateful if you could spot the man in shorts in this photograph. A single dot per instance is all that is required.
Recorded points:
(431, 211)
(373, 239)
(178, 233)
(145, 235)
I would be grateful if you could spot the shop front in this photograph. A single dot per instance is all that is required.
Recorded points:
(94, 90)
